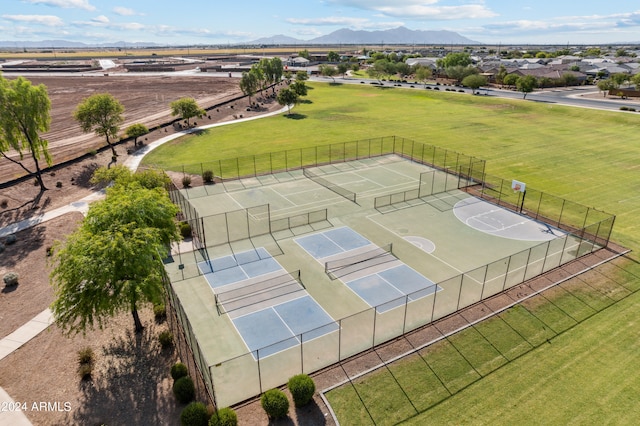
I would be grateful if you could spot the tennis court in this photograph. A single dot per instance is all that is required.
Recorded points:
(270, 309)
(300, 269)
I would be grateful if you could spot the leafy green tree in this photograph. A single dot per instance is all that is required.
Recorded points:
(304, 54)
(113, 261)
(510, 79)
(333, 56)
(135, 131)
(402, 69)
(459, 72)
(620, 53)
(636, 81)
(302, 76)
(474, 81)
(299, 88)
(342, 68)
(619, 79)
(526, 84)
(273, 71)
(288, 97)
(102, 114)
(454, 59)
(186, 108)
(328, 71)
(605, 86)
(260, 77)
(248, 84)
(569, 79)
(24, 113)
(423, 74)
(501, 74)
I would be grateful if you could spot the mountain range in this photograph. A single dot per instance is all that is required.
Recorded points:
(400, 35)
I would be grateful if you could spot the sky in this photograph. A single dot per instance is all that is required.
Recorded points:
(232, 22)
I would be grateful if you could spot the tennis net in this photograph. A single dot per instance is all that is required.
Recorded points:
(260, 291)
(346, 265)
(349, 195)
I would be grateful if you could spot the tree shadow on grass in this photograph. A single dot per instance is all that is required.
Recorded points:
(128, 387)
(305, 101)
(295, 116)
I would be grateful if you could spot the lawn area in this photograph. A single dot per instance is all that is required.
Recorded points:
(570, 360)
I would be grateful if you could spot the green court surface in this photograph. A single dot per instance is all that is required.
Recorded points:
(459, 259)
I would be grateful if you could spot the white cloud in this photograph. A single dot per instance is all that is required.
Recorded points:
(48, 20)
(101, 19)
(421, 9)
(125, 11)
(65, 4)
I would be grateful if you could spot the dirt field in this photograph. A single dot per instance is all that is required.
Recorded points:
(146, 100)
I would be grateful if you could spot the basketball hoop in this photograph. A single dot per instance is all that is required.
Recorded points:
(518, 186)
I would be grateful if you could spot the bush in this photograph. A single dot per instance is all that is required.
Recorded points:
(166, 339)
(184, 390)
(10, 279)
(207, 176)
(11, 239)
(186, 181)
(160, 312)
(179, 370)
(86, 356)
(4, 204)
(194, 414)
(302, 389)
(275, 403)
(185, 229)
(224, 417)
(85, 370)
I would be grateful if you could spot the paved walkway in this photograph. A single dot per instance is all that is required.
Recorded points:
(41, 321)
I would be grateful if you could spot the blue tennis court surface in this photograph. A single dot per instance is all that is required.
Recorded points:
(387, 289)
(283, 326)
(274, 325)
(334, 241)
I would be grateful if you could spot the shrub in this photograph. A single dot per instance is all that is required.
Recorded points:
(4, 204)
(224, 417)
(85, 370)
(624, 108)
(166, 339)
(275, 403)
(10, 279)
(302, 389)
(185, 229)
(207, 176)
(93, 153)
(49, 251)
(194, 414)
(11, 239)
(184, 390)
(58, 184)
(186, 181)
(86, 356)
(160, 312)
(179, 370)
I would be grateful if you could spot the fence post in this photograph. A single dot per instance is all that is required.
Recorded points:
(404, 321)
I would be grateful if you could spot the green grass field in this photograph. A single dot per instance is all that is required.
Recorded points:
(587, 374)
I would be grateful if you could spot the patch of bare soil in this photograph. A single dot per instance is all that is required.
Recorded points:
(130, 382)
(28, 257)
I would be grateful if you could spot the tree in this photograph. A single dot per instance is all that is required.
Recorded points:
(605, 86)
(113, 261)
(135, 131)
(186, 108)
(619, 79)
(636, 81)
(502, 73)
(454, 59)
(423, 74)
(248, 84)
(328, 71)
(474, 81)
(274, 70)
(510, 79)
(342, 68)
(24, 113)
(333, 56)
(302, 76)
(287, 97)
(102, 114)
(459, 72)
(299, 88)
(259, 76)
(526, 84)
